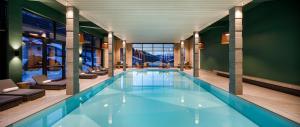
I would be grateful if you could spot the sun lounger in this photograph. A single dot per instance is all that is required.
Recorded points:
(7, 102)
(91, 71)
(42, 82)
(84, 75)
(8, 87)
(100, 68)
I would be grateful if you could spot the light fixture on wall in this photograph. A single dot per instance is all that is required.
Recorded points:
(110, 34)
(124, 43)
(225, 38)
(16, 52)
(196, 35)
(44, 35)
(201, 45)
(105, 45)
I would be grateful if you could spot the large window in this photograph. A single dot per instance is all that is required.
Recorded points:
(43, 49)
(91, 52)
(32, 55)
(55, 61)
(87, 53)
(152, 55)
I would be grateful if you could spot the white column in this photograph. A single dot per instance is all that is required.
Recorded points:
(111, 54)
(124, 55)
(72, 50)
(236, 50)
(181, 55)
(196, 54)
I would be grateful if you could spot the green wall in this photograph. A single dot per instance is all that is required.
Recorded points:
(214, 56)
(45, 11)
(14, 39)
(271, 43)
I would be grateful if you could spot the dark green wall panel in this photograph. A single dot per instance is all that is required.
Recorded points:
(214, 56)
(271, 43)
(45, 11)
(15, 39)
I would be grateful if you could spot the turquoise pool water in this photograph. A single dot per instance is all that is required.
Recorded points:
(154, 98)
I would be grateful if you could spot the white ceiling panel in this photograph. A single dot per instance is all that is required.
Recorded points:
(155, 21)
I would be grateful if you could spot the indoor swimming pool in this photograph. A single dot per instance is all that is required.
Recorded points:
(154, 98)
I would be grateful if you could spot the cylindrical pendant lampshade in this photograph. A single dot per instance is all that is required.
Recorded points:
(81, 38)
(104, 45)
(201, 45)
(225, 38)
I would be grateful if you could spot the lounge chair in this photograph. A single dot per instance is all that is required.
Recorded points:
(7, 102)
(118, 65)
(42, 82)
(84, 75)
(138, 65)
(91, 71)
(162, 65)
(146, 64)
(187, 65)
(168, 65)
(100, 68)
(8, 87)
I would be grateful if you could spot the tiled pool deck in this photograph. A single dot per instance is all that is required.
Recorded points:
(278, 102)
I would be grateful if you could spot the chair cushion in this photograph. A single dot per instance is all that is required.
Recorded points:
(6, 83)
(40, 78)
(62, 82)
(46, 81)
(24, 92)
(10, 89)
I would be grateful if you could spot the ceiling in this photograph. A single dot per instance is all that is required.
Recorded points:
(153, 21)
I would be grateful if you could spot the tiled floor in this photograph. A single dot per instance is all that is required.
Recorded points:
(52, 97)
(280, 103)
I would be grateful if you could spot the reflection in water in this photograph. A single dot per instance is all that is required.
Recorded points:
(110, 118)
(155, 99)
(105, 105)
(199, 105)
(197, 117)
(182, 99)
(124, 99)
(152, 78)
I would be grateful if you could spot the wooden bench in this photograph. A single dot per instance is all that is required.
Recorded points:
(292, 89)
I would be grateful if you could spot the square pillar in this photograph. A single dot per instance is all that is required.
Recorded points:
(111, 54)
(72, 50)
(181, 55)
(236, 50)
(124, 55)
(196, 54)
